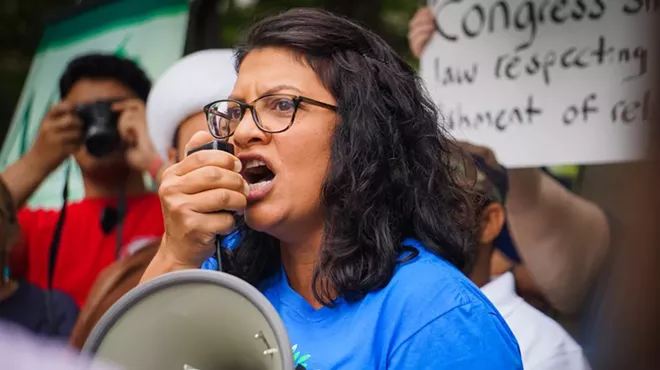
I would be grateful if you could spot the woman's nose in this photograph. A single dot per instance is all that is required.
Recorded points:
(247, 131)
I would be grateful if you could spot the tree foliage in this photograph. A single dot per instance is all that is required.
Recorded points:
(21, 27)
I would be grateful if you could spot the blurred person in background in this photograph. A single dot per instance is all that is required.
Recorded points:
(562, 238)
(20, 349)
(339, 172)
(86, 243)
(544, 344)
(174, 113)
(625, 319)
(21, 302)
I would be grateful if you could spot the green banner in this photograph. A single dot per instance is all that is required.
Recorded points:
(150, 32)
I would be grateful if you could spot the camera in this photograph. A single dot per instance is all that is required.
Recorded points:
(100, 131)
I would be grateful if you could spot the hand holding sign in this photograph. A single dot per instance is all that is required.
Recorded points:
(420, 30)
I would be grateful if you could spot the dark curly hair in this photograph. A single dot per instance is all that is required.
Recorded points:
(390, 174)
(105, 66)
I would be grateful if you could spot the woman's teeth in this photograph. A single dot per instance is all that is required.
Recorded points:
(258, 177)
(258, 185)
(254, 163)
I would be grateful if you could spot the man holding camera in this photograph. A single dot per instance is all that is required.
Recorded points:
(101, 122)
(174, 115)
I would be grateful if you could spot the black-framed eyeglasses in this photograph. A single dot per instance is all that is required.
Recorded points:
(272, 113)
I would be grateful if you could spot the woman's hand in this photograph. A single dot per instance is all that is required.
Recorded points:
(195, 195)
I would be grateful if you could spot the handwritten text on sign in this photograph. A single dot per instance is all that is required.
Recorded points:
(545, 82)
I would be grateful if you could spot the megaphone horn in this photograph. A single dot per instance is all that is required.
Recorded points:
(192, 320)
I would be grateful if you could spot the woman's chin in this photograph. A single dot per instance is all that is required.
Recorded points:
(258, 217)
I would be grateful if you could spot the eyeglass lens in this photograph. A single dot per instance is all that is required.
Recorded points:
(272, 113)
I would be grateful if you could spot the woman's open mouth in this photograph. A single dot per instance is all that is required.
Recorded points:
(259, 178)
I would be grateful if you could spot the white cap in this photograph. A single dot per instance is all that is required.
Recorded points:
(184, 89)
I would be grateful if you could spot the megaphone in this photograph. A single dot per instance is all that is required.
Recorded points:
(192, 320)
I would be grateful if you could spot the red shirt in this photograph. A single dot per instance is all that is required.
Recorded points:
(84, 249)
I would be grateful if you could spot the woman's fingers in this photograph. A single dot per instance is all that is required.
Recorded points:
(208, 178)
(198, 196)
(189, 199)
(206, 158)
(211, 200)
(205, 226)
(217, 200)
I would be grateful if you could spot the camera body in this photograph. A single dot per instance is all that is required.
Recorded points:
(100, 131)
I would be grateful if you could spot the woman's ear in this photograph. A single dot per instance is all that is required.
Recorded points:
(491, 222)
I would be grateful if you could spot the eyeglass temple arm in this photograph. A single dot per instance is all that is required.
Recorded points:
(317, 103)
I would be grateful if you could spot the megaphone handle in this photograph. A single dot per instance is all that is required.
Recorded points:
(218, 247)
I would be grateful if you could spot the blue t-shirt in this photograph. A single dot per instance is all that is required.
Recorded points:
(430, 316)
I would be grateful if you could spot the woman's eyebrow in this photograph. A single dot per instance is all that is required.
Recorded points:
(272, 90)
(279, 88)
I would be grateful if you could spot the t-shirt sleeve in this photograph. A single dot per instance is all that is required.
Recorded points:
(467, 337)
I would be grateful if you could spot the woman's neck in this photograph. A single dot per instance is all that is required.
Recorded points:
(299, 259)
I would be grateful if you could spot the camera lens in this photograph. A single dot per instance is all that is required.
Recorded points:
(101, 141)
(100, 127)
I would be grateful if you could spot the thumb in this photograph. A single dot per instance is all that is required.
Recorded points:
(198, 139)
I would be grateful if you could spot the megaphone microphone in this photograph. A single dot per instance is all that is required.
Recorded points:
(192, 320)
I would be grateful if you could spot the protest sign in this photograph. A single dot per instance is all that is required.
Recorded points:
(545, 82)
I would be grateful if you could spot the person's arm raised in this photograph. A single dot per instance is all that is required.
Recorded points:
(58, 137)
(195, 195)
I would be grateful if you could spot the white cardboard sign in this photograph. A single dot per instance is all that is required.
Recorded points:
(545, 82)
